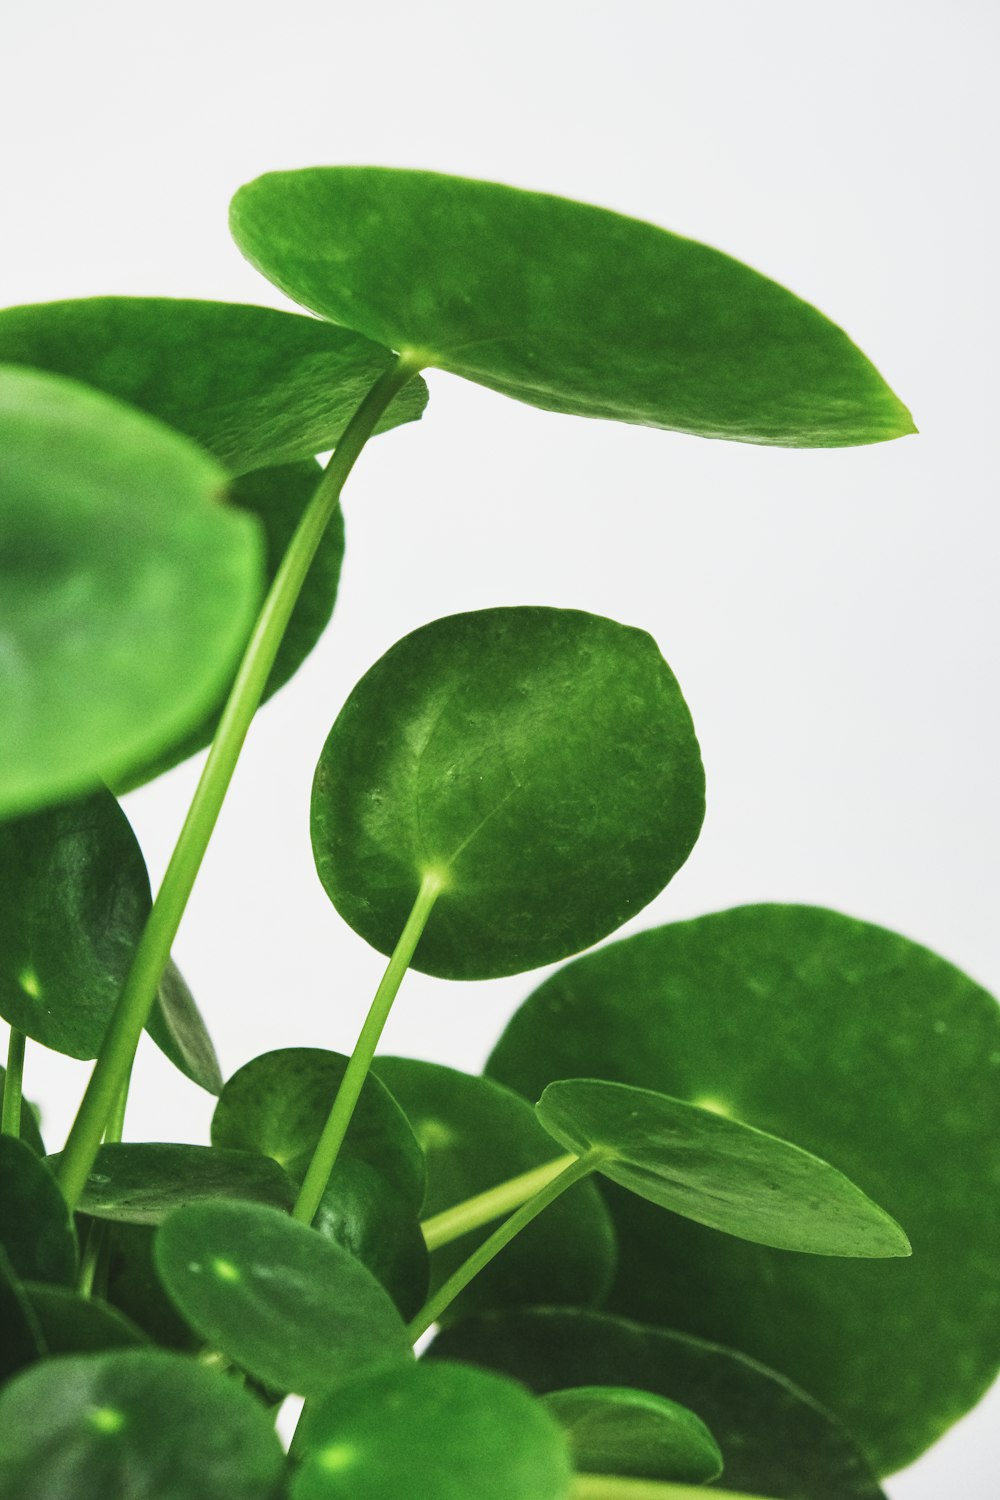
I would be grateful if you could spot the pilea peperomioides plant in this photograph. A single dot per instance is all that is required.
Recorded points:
(690, 1263)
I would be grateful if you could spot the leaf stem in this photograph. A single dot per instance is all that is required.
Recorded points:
(614, 1487)
(579, 1167)
(474, 1212)
(10, 1122)
(139, 993)
(328, 1146)
(92, 1277)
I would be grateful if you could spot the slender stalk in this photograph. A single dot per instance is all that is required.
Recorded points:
(473, 1213)
(10, 1121)
(92, 1277)
(137, 997)
(612, 1487)
(328, 1147)
(580, 1166)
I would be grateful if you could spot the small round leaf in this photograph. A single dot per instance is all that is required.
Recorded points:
(540, 763)
(615, 1430)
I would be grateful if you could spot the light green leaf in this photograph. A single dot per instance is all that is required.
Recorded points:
(540, 763)
(563, 305)
(615, 1430)
(860, 1046)
(140, 1182)
(128, 587)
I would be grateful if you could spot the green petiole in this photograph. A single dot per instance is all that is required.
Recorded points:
(611, 1487)
(474, 1212)
(10, 1122)
(136, 1000)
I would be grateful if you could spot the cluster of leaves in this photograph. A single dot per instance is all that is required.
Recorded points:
(703, 1271)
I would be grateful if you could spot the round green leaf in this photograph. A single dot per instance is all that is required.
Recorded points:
(279, 1103)
(476, 1134)
(135, 1289)
(294, 1309)
(717, 1171)
(775, 1440)
(563, 305)
(860, 1046)
(134, 1423)
(21, 1341)
(371, 1218)
(36, 1229)
(614, 1430)
(540, 763)
(455, 1433)
(72, 1324)
(254, 386)
(141, 1182)
(178, 1029)
(128, 587)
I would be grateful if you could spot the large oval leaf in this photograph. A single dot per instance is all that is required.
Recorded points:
(476, 1134)
(717, 1171)
(254, 386)
(140, 1182)
(294, 1309)
(540, 763)
(455, 1433)
(563, 305)
(128, 587)
(134, 1422)
(775, 1440)
(858, 1045)
(36, 1227)
(615, 1430)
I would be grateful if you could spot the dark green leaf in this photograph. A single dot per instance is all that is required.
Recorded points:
(717, 1171)
(775, 1440)
(30, 1132)
(540, 762)
(278, 1104)
(254, 386)
(135, 1422)
(177, 1028)
(140, 1182)
(294, 1309)
(563, 305)
(858, 1045)
(21, 1341)
(380, 1227)
(135, 1289)
(128, 587)
(277, 497)
(72, 1324)
(456, 1433)
(614, 1430)
(475, 1135)
(36, 1229)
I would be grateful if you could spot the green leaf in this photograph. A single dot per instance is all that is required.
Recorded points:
(540, 762)
(30, 1132)
(177, 1028)
(135, 1289)
(278, 1104)
(380, 1227)
(865, 1049)
(774, 1438)
(614, 1430)
(292, 1308)
(254, 386)
(36, 1229)
(475, 1135)
(21, 1341)
(140, 1182)
(717, 1171)
(134, 1422)
(128, 587)
(455, 1433)
(563, 305)
(72, 1324)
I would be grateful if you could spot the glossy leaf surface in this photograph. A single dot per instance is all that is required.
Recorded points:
(856, 1044)
(72, 1324)
(279, 1102)
(563, 305)
(128, 587)
(139, 1182)
(775, 1440)
(455, 1433)
(540, 762)
(380, 1227)
(178, 1029)
(134, 1423)
(717, 1171)
(254, 386)
(294, 1309)
(476, 1134)
(616, 1430)
(36, 1229)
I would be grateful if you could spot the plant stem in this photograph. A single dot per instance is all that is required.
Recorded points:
(612, 1487)
(10, 1122)
(580, 1166)
(139, 993)
(92, 1276)
(328, 1146)
(473, 1213)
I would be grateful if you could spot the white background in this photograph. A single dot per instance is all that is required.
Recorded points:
(829, 615)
